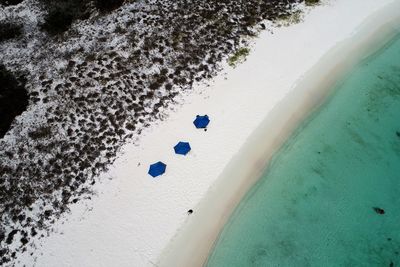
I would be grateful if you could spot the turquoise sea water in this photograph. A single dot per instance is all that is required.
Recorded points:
(314, 204)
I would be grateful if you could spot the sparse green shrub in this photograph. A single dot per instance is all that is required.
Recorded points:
(239, 56)
(119, 29)
(40, 133)
(289, 19)
(9, 30)
(311, 2)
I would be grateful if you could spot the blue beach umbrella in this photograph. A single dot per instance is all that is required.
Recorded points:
(157, 169)
(201, 121)
(182, 148)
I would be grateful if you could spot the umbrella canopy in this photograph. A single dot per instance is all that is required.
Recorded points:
(182, 148)
(201, 121)
(157, 169)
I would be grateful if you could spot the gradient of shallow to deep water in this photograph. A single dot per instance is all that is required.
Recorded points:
(314, 204)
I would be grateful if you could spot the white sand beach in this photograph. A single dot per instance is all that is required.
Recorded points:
(137, 220)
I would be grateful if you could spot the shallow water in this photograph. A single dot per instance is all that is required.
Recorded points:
(314, 205)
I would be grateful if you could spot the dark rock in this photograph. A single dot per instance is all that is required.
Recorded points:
(379, 210)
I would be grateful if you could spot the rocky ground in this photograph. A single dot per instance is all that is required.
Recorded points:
(94, 74)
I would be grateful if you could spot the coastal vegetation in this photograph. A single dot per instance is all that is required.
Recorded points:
(239, 56)
(9, 30)
(62, 13)
(108, 5)
(312, 2)
(289, 19)
(10, 2)
(13, 99)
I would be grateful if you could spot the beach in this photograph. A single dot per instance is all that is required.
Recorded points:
(137, 220)
(329, 194)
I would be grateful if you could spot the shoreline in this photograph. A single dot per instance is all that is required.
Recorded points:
(136, 220)
(196, 240)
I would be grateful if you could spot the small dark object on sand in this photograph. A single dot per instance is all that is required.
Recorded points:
(205, 129)
(379, 210)
(190, 211)
(398, 133)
